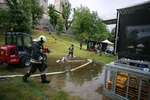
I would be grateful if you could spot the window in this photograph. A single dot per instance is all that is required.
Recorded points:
(137, 43)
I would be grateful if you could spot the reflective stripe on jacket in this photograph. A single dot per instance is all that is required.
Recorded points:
(35, 61)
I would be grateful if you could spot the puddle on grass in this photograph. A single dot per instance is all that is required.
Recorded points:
(85, 83)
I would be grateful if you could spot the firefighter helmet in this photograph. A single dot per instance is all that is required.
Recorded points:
(42, 38)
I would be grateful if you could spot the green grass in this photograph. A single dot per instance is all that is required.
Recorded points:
(81, 53)
(15, 89)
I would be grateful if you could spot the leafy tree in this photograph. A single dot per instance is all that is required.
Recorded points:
(101, 32)
(89, 24)
(53, 15)
(112, 34)
(19, 15)
(66, 12)
(4, 17)
(82, 20)
(60, 24)
(37, 12)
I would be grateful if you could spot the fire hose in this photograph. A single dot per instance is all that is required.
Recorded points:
(51, 73)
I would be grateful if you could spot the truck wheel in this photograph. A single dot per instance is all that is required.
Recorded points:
(25, 62)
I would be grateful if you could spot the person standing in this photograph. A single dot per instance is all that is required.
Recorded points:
(89, 46)
(37, 60)
(80, 45)
(100, 49)
(71, 49)
(96, 48)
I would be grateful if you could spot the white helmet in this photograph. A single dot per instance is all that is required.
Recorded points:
(35, 40)
(42, 38)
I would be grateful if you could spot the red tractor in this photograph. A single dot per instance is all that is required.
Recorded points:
(17, 49)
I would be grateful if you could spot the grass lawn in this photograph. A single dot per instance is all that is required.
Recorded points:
(14, 89)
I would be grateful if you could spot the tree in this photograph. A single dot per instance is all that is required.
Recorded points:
(60, 24)
(82, 20)
(53, 15)
(66, 11)
(4, 18)
(19, 15)
(112, 34)
(37, 12)
(101, 32)
(89, 24)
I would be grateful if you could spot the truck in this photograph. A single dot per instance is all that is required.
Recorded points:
(17, 49)
(128, 78)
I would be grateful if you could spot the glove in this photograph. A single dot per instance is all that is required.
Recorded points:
(42, 60)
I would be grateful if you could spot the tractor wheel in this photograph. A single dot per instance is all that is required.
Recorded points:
(25, 62)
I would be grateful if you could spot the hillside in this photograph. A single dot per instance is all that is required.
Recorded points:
(14, 88)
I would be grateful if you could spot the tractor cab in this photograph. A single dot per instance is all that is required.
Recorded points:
(17, 49)
(22, 41)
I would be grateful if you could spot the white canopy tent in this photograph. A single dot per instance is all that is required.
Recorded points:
(107, 41)
(109, 46)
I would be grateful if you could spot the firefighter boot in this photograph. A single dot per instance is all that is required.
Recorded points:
(43, 78)
(24, 78)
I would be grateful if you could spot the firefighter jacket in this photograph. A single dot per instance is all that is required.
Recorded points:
(37, 55)
(71, 49)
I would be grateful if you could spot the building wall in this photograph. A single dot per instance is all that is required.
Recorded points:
(3, 4)
(44, 3)
(1, 1)
(58, 4)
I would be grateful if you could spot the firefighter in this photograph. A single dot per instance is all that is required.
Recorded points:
(37, 60)
(71, 48)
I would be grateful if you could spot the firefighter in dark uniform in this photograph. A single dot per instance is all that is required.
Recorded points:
(37, 60)
(71, 48)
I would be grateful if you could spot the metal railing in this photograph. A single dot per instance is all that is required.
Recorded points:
(126, 83)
